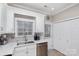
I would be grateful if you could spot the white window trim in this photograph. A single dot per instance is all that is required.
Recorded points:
(22, 19)
(50, 23)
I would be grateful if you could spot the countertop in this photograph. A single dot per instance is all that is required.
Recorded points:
(9, 47)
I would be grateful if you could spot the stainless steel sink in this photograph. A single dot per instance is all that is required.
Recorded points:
(29, 42)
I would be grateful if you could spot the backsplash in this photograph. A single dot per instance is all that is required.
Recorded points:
(10, 37)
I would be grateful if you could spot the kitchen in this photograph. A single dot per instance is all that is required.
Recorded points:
(22, 27)
(39, 29)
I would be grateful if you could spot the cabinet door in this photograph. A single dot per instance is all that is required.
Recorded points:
(3, 18)
(32, 50)
(42, 49)
(0, 17)
(20, 51)
(39, 50)
(10, 20)
(40, 23)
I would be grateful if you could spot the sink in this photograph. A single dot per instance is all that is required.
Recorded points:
(29, 42)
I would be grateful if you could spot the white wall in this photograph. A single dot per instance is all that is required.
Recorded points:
(66, 37)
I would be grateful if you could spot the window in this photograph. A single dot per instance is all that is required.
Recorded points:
(24, 28)
(47, 30)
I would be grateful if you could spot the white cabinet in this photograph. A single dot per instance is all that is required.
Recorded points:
(20, 51)
(27, 50)
(5, 15)
(10, 21)
(40, 23)
(32, 50)
(2, 17)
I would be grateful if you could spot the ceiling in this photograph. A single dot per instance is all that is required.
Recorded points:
(44, 8)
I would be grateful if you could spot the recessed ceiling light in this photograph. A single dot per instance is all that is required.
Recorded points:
(52, 8)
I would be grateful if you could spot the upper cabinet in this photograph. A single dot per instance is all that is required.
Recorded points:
(40, 23)
(10, 20)
(2, 17)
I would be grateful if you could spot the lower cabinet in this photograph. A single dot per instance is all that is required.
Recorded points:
(31, 50)
(42, 49)
(20, 51)
(39, 49)
(27, 50)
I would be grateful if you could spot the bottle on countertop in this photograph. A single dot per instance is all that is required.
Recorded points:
(36, 36)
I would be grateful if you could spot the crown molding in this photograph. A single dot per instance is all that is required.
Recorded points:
(65, 8)
(26, 8)
(39, 11)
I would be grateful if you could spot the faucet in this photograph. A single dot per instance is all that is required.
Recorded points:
(25, 36)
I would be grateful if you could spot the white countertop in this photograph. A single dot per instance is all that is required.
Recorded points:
(9, 47)
(40, 41)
